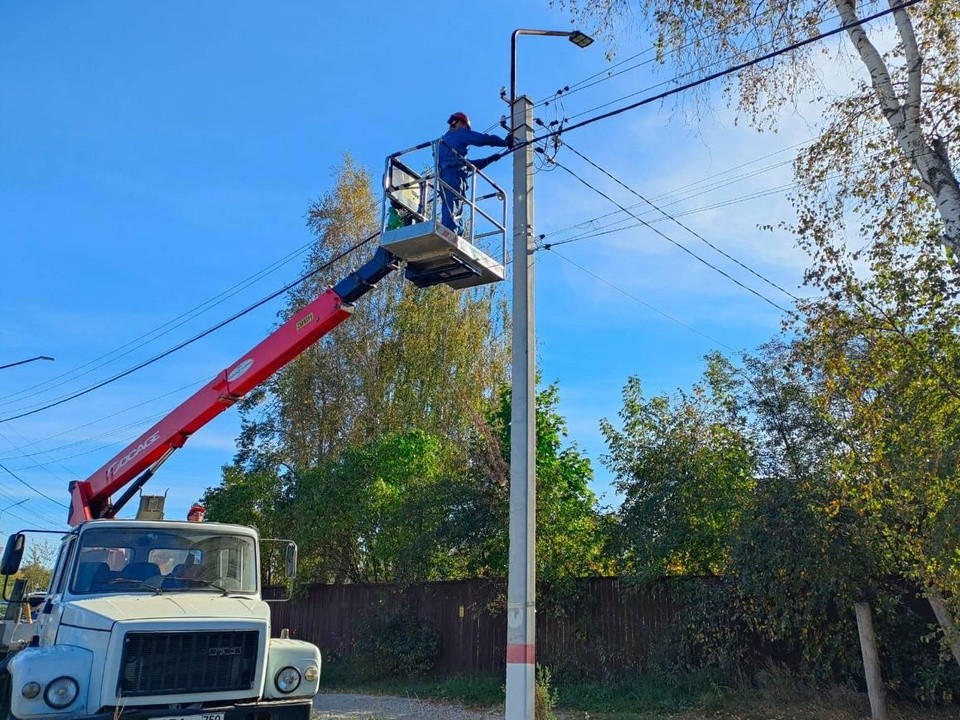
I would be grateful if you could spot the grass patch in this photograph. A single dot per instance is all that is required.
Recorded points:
(640, 695)
(471, 691)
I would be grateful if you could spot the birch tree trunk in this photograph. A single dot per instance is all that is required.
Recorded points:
(904, 117)
(871, 661)
(945, 619)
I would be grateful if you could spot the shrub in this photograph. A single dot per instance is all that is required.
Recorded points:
(395, 644)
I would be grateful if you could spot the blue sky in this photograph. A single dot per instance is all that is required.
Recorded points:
(157, 155)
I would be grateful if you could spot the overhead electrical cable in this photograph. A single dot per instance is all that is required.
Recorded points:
(26, 484)
(154, 334)
(596, 229)
(642, 302)
(11, 500)
(672, 194)
(135, 423)
(190, 341)
(680, 245)
(606, 74)
(47, 468)
(31, 522)
(693, 232)
(714, 76)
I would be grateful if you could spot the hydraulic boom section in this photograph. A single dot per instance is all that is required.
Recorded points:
(90, 498)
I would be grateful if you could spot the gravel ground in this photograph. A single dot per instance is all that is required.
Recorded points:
(341, 706)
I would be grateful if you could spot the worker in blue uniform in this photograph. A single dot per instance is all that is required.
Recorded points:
(453, 170)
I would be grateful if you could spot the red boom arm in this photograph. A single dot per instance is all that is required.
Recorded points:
(90, 498)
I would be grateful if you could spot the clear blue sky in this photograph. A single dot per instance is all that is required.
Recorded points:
(156, 155)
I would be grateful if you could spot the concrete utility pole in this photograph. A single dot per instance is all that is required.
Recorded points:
(521, 578)
(522, 571)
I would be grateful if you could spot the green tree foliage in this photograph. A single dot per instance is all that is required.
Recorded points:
(844, 524)
(885, 149)
(248, 498)
(800, 558)
(38, 567)
(371, 514)
(684, 468)
(886, 343)
(571, 532)
(889, 351)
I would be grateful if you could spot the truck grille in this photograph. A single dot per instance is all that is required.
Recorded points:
(166, 663)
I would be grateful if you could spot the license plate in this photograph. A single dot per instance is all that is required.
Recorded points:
(202, 716)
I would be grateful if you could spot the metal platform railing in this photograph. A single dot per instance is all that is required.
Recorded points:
(412, 228)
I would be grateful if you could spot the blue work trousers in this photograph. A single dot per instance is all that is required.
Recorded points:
(453, 189)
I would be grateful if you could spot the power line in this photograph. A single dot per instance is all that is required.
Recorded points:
(154, 334)
(610, 226)
(16, 498)
(33, 489)
(26, 484)
(602, 229)
(694, 184)
(33, 520)
(48, 468)
(192, 340)
(685, 227)
(136, 423)
(721, 73)
(699, 40)
(642, 302)
(674, 242)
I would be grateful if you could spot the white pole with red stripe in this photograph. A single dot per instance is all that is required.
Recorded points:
(521, 577)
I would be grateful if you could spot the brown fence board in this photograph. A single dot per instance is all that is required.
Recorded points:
(594, 626)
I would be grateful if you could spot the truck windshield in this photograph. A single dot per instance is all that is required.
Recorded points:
(123, 560)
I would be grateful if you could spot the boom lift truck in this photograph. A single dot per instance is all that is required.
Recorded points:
(152, 619)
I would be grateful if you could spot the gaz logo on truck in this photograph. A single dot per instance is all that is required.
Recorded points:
(132, 455)
(224, 651)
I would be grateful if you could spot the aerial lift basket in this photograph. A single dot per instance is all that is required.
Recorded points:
(412, 229)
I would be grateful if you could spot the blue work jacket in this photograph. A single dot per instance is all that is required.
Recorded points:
(453, 148)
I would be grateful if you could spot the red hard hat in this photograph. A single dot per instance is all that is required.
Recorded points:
(459, 117)
(197, 508)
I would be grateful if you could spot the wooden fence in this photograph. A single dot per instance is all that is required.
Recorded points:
(590, 625)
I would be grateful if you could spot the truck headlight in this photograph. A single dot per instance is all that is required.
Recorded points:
(61, 692)
(287, 680)
(30, 690)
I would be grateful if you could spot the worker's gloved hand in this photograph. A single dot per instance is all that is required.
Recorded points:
(510, 140)
(483, 162)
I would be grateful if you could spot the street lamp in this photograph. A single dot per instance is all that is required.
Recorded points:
(22, 362)
(521, 573)
(578, 38)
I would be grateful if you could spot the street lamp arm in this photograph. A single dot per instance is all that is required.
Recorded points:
(575, 36)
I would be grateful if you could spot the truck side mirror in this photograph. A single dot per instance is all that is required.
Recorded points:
(13, 554)
(290, 561)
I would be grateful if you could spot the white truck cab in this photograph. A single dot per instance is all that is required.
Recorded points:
(154, 619)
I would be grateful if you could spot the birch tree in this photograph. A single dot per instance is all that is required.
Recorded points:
(904, 108)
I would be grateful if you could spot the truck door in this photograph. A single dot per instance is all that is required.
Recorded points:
(48, 618)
